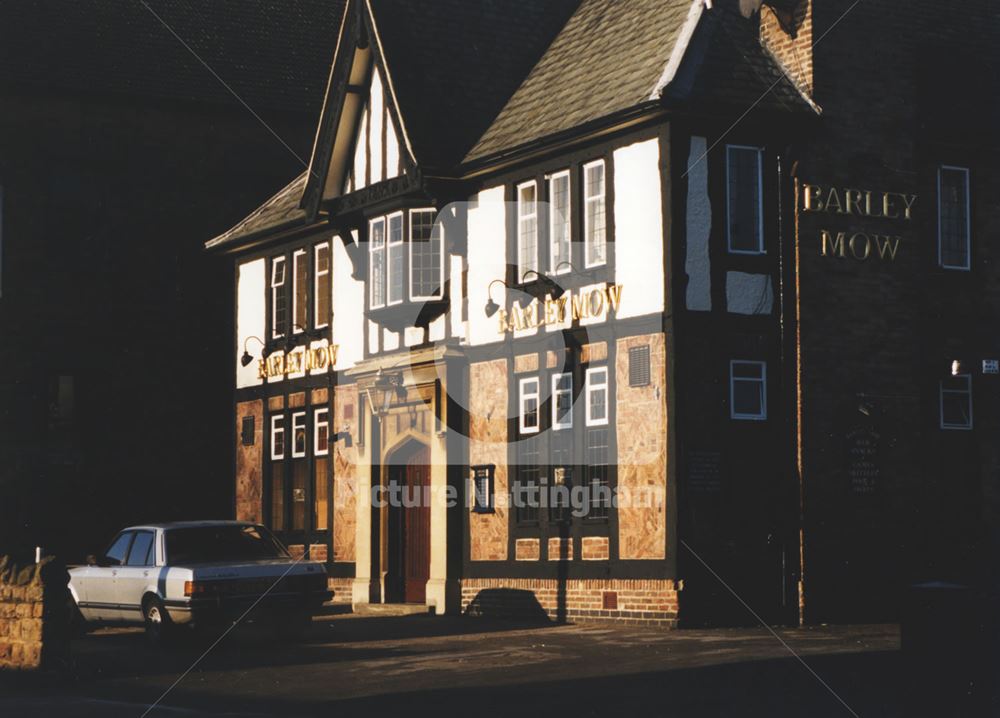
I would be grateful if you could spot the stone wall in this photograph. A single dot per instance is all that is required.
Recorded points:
(346, 413)
(34, 620)
(249, 463)
(488, 445)
(632, 601)
(642, 453)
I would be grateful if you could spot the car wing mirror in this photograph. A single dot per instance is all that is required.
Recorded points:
(91, 559)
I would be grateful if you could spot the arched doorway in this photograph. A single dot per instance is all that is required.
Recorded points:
(408, 555)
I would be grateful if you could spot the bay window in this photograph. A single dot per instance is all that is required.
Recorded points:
(594, 214)
(527, 229)
(395, 259)
(323, 287)
(300, 293)
(376, 249)
(426, 255)
(279, 298)
(559, 223)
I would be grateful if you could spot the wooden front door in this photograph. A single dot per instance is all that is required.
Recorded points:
(416, 528)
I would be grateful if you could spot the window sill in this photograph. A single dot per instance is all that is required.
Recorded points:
(420, 313)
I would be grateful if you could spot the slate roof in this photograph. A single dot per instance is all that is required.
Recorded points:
(609, 57)
(612, 56)
(455, 64)
(274, 53)
(281, 210)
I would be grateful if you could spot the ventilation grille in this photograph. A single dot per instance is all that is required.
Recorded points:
(638, 366)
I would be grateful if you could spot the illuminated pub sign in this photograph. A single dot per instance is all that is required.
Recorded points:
(863, 204)
(297, 360)
(594, 303)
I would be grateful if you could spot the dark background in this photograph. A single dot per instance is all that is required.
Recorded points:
(120, 155)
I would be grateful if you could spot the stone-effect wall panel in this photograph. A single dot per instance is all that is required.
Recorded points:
(488, 445)
(249, 463)
(642, 453)
(527, 549)
(345, 482)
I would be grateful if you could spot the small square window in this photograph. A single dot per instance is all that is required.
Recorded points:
(748, 390)
(956, 402)
(482, 488)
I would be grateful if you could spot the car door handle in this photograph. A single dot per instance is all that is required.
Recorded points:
(114, 573)
(145, 574)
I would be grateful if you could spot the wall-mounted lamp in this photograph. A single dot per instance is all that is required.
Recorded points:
(492, 307)
(546, 287)
(381, 392)
(247, 358)
(956, 367)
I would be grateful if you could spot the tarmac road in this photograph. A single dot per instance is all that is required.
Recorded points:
(426, 665)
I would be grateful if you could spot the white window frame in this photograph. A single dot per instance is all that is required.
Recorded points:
(321, 417)
(372, 251)
(278, 427)
(968, 218)
(733, 414)
(275, 286)
(968, 392)
(587, 201)
(567, 421)
(760, 202)
(562, 266)
(295, 326)
(401, 246)
(318, 321)
(521, 217)
(296, 425)
(522, 395)
(593, 385)
(440, 240)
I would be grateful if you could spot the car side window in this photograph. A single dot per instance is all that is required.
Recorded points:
(115, 555)
(142, 549)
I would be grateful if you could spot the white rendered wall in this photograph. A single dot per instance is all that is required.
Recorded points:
(639, 228)
(250, 317)
(487, 260)
(348, 315)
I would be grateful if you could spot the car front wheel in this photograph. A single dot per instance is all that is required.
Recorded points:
(159, 627)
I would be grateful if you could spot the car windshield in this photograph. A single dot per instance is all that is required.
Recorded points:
(209, 544)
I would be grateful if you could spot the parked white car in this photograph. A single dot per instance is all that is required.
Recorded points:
(196, 573)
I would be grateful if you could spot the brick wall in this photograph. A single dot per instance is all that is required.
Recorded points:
(789, 37)
(640, 601)
(34, 631)
(341, 588)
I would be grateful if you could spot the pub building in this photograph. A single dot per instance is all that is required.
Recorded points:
(653, 304)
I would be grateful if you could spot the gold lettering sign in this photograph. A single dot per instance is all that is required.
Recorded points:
(861, 246)
(301, 359)
(589, 304)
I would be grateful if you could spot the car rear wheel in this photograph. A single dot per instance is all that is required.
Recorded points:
(159, 627)
(77, 623)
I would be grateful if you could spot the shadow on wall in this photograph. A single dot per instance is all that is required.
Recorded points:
(507, 603)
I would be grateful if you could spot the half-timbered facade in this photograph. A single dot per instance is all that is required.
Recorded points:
(526, 333)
